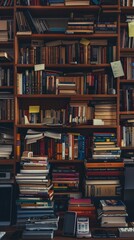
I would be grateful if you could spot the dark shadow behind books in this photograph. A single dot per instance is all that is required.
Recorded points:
(7, 204)
(129, 191)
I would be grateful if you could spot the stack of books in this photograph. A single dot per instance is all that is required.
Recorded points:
(104, 170)
(112, 213)
(81, 25)
(106, 27)
(35, 208)
(6, 143)
(65, 181)
(84, 207)
(106, 112)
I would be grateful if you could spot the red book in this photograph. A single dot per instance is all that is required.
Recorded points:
(80, 201)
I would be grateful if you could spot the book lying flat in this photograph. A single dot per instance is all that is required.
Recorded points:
(5, 57)
(112, 205)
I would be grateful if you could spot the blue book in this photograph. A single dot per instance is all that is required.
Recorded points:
(81, 147)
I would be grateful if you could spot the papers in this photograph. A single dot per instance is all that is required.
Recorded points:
(32, 136)
(34, 109)
(39, 67)
(117, 69)
(131, 29)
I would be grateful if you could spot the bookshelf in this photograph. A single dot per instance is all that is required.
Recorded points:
(76, 52)
(60, 81)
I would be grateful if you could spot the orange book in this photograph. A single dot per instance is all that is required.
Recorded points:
(18, 145)
(81, 208)
(105, 165)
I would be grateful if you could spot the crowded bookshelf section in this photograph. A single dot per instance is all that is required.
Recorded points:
(67, 118)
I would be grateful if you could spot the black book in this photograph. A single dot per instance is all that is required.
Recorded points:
(30, 21)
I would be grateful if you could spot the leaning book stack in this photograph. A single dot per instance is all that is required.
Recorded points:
(35, 198)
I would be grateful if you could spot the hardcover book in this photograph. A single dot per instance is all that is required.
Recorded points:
(112, 204)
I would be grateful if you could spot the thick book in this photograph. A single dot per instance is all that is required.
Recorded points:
(34, 234)
(103, 190)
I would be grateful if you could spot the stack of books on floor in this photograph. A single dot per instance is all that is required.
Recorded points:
(112, 213)
(42, 227)
(105, 146)
(84, 207)
(35, 208)
(65, 181)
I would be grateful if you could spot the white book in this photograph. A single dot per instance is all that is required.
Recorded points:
(89, 182)
(34, 171)
(32, 176)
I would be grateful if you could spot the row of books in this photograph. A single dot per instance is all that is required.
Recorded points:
(66, 146)
(112, 213)
(67, 52)
(127, 3)
(70, 146)
(105, 113)
(6, 106)
(6, 3)
(127, 98)
(127, 138)
(61, 2)
(27, 24)
(6, 76)
(101, 113)
(74, 113)
(48, 82)
(126, 41)
(53, 2)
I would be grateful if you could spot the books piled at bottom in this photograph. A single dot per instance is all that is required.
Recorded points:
(41, 227)
(35, 206)
(112, 213)
(84, 208)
